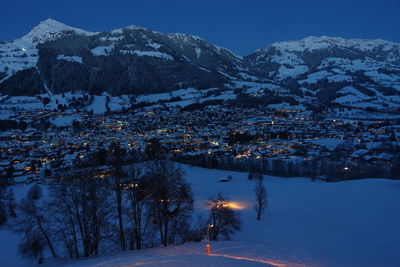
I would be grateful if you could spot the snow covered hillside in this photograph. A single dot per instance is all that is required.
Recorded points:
(55, 58)
(323, 66)
(351, 223)
(307, 223)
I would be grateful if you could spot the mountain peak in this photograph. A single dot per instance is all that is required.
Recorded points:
(51, 23)
(51, 29)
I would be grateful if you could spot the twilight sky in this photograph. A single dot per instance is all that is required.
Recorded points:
(239, 25)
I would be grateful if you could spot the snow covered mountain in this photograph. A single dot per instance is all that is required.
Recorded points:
(56, 58)
(22, 53)
(291, 59)
(335, 70)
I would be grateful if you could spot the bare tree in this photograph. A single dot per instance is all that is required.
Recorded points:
(223, 218)
(10, 197)
(117, 155)
(32, 246)
(171, 201)
(3, 213)
(137, 196)
(261, 196)
(83, 209)
(67, 216)
(118, 184)
(35, 225)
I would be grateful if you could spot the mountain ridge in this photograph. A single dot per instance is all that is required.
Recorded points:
(57, 58)
(53, 25)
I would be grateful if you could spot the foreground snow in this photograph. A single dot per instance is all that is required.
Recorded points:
(307, 223)
(191, 254)
(353, 223)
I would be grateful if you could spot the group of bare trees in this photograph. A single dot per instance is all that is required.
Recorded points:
(92, 209)
(82, 211)
(171, 201)
(86, 212)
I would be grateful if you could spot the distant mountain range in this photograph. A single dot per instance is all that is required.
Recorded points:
(55, 58)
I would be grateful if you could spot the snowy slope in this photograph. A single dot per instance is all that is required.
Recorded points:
(192, 254)
(352, 223)
(307, 223)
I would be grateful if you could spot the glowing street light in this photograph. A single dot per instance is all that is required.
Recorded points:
(208, 247)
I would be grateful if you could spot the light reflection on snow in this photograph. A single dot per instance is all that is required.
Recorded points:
(273, 263)
(235, 205)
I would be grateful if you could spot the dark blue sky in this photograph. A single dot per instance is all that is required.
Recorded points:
(239, 25)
